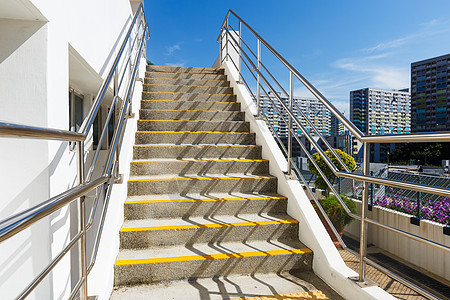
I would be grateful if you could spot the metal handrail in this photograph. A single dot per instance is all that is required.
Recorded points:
(366, 140)
(20, 221)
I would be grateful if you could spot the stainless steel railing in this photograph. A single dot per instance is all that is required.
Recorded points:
(232, 40)
(125, 66)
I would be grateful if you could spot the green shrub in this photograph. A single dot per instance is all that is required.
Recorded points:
(336, 212)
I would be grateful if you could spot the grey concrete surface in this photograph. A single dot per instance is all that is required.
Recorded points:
(187, 82)
(162, 114)
(191, 105)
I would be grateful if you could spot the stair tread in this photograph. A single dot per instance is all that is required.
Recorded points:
(206, 251)
(235, 196)
(195, 177)
(206, 121)
(200, 221)
(231, 287)
(189, 85)
(196, 145)
(221, 159)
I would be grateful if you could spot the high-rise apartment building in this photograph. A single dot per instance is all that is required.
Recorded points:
(376, 111)
(336, 126)
(430, 94)
(316, 112)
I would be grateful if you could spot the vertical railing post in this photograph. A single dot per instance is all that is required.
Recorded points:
(291, 91)
(363, 234)
(82, 223)
(221, 46)
(419, 198)
(371, 190)
(258, 95)
(239, 61)
(226, 40)
(117, 113)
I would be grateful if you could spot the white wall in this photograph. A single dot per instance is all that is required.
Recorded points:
(34, 80)
(426, 257)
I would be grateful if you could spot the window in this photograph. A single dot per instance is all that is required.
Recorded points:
(75, 110)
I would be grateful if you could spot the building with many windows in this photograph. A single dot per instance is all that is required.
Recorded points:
(430, 94)
(376, 111)
(312, 108)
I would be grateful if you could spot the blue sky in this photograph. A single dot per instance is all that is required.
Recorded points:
(338, 46)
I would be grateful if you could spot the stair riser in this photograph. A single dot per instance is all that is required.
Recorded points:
(244, 185)
(194, 138)
(200, 168)
(188, 97)
(157, 238)
(191, 105)
(187, 89)
(151, 273)
(191, 115)
(137, 211)
(195, 82)
(185, 76)
(197, 152)
(193, 126)
(185, 70)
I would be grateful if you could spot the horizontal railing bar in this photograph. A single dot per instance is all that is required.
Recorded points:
(24, 131)
(407, 138)
(49, 267)
(24, 219)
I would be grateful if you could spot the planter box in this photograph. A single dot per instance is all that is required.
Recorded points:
(426, 257)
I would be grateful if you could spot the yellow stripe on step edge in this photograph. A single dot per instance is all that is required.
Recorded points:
(208, 225)
(187, 93)
(153, 78)
(198, 160)
(201, 178)
(189, 121)
(319, 295)
(190, 145)
(210, 256)
(178, 110)
(200, 132)
(203, 200)
(188, 101)
(201, 86)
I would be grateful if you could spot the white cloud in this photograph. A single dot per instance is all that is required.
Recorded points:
(173, 48)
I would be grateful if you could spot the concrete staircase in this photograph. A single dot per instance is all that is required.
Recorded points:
(201, 202)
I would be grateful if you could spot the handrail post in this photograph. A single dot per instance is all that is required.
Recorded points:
(226, 40)
(258, 94)
(82, 223)
(291, 91)
(117, 112)
(363, 234)
(239, 62)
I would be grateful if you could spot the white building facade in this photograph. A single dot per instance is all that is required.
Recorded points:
(54, 56)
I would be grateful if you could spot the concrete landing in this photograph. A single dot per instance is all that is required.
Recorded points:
(232, 287)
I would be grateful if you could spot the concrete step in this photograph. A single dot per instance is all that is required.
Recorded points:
(208, 260)
(173, 69)
(188, 96)
(187, 89)
(148, 233)
(164, 184)
(202, 205)
(217, 115)
(301, 285)
(190, 105)
(175, 137)
(193, 125)
(177, 75)
(197, 151)
(187, 82)
(199, 167)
